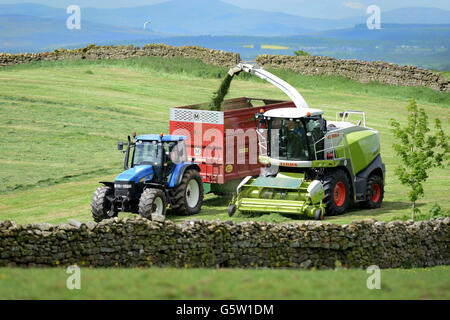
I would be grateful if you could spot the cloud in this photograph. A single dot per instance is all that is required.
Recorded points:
(354, 5)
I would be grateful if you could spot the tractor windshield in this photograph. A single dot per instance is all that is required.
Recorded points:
(147, 152)
(292, 139)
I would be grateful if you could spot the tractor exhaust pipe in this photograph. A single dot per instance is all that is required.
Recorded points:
(127, 154)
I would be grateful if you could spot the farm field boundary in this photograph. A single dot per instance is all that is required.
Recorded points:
(199, 243)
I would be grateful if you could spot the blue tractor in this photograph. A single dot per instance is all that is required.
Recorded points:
(159, 174)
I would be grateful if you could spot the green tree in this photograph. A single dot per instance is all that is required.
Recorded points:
(301, 53)
(419, 151)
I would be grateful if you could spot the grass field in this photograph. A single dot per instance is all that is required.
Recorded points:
(60, 122)
(446, 74)
(155, 283)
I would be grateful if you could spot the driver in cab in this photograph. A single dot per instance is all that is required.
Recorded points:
(297, 148)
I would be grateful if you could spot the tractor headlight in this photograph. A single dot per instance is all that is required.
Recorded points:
(122, 186)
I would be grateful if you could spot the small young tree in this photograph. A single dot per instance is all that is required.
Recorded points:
(301, 53)
(419, 151)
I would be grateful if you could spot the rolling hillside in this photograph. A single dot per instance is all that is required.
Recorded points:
(213, 17)
(60, 122)
(20, 33)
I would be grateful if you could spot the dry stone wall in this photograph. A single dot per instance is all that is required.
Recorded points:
(358, 70)
(133, 242)
(92, 52)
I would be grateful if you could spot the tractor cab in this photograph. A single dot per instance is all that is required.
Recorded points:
(162, 153)
(154, 158)
(295, 134)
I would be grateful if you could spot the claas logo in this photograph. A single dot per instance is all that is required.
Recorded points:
(288, 164)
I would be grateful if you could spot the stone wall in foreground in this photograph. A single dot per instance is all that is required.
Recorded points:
(92, 52)
(358, 70)
(139, 242)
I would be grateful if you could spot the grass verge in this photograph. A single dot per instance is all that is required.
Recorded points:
(168, 283)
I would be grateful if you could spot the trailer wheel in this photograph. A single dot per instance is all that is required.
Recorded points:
(152, 201)
(337, 192)
(188, 196)
(374, 192)
(101, 206)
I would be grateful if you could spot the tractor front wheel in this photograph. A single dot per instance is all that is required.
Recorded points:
(152, 201)
(337, 192)
(374, 192)
(188, 196)
(101, 206)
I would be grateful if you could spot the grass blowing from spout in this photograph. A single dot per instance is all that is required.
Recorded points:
(220, 94)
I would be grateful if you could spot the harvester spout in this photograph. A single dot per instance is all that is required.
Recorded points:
(258, 71)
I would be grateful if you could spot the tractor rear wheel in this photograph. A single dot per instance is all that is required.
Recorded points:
(188, 196)
(337, 192)
(101, 206)
(152, 201)
(374, 192)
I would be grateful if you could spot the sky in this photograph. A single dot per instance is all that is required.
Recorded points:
(308, 8)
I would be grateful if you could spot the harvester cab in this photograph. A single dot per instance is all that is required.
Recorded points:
(157, 173)
(313, 166)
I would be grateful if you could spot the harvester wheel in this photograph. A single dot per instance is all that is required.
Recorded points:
(188, 196)
(101, 206)
(375, 192)
(232, 210)
(318, 214)
(152, 201)
(337, 192)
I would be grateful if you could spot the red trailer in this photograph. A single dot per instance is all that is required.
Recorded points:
(223, 143)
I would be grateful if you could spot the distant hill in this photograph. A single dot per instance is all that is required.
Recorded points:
(409, 15)
(21, 33)
(194, 17)
(209, 17)
(338, 9)
(32, 9)
(214, 17)
(416, 15)
(420, 33)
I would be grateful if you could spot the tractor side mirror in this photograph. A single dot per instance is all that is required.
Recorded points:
(120, 145)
